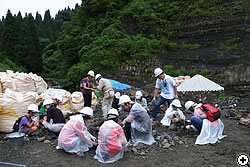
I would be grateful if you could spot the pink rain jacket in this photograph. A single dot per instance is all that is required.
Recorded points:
(111, 142)
(74, 136)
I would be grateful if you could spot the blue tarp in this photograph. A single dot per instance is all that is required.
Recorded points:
(119, 86)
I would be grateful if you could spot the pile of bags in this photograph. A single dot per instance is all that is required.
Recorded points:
(181, 79)
(19, 90)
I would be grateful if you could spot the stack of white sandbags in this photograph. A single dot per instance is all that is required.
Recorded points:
(78, 101)
(22, 82)
(65, 106)
(13, 105)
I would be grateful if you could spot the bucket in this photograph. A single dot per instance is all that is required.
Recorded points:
(15, 139)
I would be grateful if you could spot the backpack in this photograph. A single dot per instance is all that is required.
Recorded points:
(212, 112)
(17, 123)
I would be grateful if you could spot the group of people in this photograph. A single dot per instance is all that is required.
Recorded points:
(113, 138)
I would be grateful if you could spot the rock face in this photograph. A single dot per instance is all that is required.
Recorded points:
(223, 48)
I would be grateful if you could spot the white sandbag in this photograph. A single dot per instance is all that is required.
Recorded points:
(41, 85)
(65, 106)
(12, 106)
(78, 101)
(210, 132)
(22, 82)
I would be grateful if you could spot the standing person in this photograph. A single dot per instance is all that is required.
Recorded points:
(138, 126)
(168, 90)
(173, 112)
(74, 137)
(54, 120)
(106, 87)
(111, 139)
(87, 87)
(141, 100)
(27, 125)
(210, 131)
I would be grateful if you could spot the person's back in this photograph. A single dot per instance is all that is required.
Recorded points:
(110, 137)
(55, 114)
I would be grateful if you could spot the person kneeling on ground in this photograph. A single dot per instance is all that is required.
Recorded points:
(138, 126)
(209, 131)
(74, 137)
(141, 100)
(173, 113)
(111, 139)
(27, 125)
(54, 120)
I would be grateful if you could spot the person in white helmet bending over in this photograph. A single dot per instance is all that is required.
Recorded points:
(141, 100)
(74, 137)
(207, 120)
(106, 87)
(111, 139)
(168, 90)
(54, 120)
(138, 126)
(87, 86)
(173, 113)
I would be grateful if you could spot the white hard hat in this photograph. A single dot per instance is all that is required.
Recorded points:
(59, 98)
(157, 72)
(48, 101)
(124, 99)
(87, 111)
(176, 103)
(91, 73)
(33, 108)
(189, 104)
(98, 76)
(113, 111)
(138, 94)
(117, 95)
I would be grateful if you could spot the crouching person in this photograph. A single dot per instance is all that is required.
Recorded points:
(54, 120)
(111, 139)
(138, 126)
(210, 129)
(173, 113)
(74, 137)
(27, 125)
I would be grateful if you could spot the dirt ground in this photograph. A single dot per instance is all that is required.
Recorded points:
(182, 152)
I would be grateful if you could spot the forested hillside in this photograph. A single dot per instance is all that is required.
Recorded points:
(128, 39)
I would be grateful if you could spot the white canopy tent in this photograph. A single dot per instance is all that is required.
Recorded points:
(199, 83)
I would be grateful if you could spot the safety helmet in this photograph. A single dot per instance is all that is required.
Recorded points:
(113, 111)
(98, 76)
(138, 94)
(33, 108)
(58, 98)
(91, 73)
(48, 101)
(189, 104)
(157, 72)
(117, 95)
(87, 111)
(124, 99)
(176, 103)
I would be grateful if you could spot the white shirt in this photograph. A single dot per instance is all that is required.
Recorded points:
(167, 86)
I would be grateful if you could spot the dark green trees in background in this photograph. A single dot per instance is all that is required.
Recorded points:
(20, 42)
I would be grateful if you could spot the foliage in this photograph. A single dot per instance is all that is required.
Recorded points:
(230, 44)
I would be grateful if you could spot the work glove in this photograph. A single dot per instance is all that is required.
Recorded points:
(176, 96)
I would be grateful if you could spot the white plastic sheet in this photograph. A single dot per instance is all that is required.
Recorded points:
(169, 114)
(210, 132)
(141, 128)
